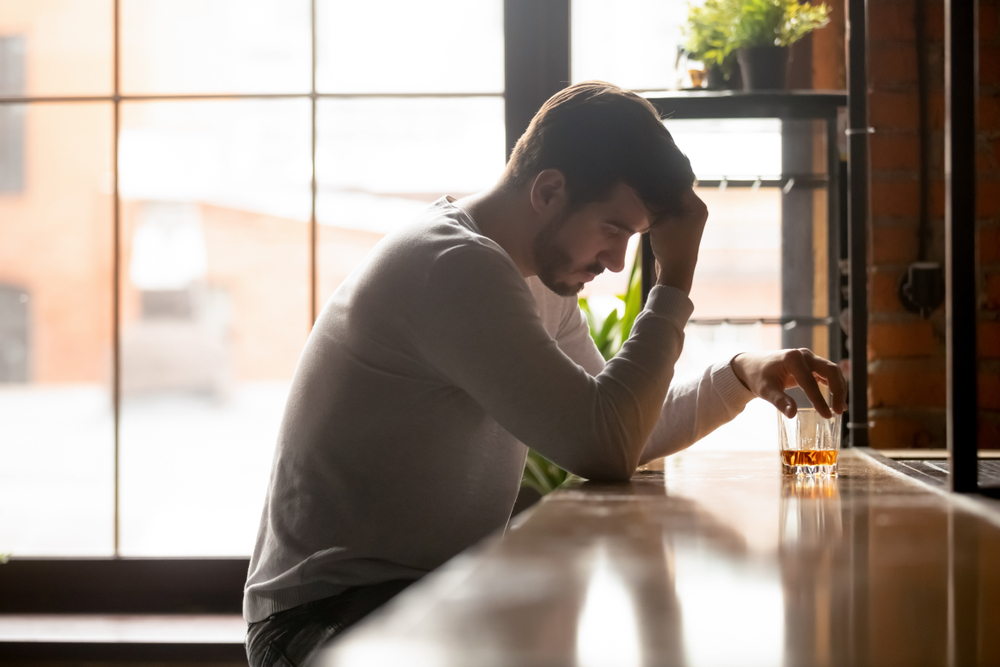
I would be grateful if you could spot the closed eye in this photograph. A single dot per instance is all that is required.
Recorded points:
(613, 231)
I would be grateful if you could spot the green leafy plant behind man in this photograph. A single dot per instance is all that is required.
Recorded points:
(718, 27)
(775, 22)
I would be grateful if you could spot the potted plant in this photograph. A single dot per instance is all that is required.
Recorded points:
(762, 32)
(708, 39)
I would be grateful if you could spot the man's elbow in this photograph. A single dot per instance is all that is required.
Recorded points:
(611, 476)
(609, 471)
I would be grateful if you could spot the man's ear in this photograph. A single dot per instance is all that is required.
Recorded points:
(548, 191)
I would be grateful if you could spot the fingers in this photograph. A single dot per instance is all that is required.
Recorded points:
(799, 364)
(830, 374)
(691, 211)
(773, 394)
(765, 375)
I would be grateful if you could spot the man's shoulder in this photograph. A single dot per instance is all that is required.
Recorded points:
(442, 238)
(440, 246)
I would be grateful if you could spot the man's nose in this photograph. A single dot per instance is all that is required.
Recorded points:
(613, 259)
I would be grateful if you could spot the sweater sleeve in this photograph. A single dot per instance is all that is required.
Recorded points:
(695, 408)
(476, 323)
(692, 409)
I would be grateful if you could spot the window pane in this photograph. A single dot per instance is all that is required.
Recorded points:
(631, 43)
(756, 427)
(215, 46)
(739, 263)
(381, 162)
(56, 424)
(394, 46)
(737, 149)
(56, 47)
(215, 310)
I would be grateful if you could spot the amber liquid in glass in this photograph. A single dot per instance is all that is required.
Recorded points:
(809, 457)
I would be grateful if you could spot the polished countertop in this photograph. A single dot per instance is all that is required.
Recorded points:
(716, 560)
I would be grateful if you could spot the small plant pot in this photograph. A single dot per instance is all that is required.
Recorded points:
(697, 78)
(716, 78)
(763, 67)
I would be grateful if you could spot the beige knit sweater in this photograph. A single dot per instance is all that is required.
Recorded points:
(426, 374)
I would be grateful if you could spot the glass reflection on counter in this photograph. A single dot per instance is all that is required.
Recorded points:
(608, 631)
(811, 529)
(810, 512)
(732, 612)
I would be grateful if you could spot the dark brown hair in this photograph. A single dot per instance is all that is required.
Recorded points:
(599, 135)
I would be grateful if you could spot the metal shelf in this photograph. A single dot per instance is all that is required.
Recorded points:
(846, 222)
(784, 104)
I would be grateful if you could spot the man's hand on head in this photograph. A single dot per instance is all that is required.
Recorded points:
(676, 239)
(768, 375)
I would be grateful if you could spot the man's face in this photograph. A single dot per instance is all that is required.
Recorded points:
(573, 249)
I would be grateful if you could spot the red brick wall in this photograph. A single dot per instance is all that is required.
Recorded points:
(906, 356)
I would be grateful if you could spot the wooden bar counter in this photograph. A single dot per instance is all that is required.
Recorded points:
(717, 560)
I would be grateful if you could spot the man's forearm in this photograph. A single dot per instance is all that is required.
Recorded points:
(678, 274)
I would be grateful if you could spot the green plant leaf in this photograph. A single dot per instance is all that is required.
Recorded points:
(775, 22)
(607, 336)
(633, 299)
(541, 474)
(708, 32)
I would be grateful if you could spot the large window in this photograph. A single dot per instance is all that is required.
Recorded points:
(183, 183)
(632, 43)
(154, 299)
(11, 116)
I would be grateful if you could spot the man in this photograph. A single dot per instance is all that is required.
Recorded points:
(459, 342)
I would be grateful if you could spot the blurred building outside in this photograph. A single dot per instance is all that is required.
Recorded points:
(213, 250)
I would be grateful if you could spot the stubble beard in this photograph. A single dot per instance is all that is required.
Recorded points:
(551, 261)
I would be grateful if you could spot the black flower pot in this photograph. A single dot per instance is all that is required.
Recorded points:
(763, 67)
(716, 77)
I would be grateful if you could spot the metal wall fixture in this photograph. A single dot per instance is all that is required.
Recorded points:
(921, 288)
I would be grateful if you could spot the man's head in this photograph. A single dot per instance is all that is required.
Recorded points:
(574, 246)
(594, 159)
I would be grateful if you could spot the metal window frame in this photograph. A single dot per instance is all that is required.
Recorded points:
(536, 59)
(961, 49)
(858, 210)
(12, 75)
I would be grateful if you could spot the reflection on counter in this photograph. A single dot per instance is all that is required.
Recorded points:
(607, 632)
(810, 512)
(731, 609)
(717, 560)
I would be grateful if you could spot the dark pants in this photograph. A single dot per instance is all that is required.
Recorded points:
(291, 637)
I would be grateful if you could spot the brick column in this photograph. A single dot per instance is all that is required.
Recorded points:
(906, 363)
